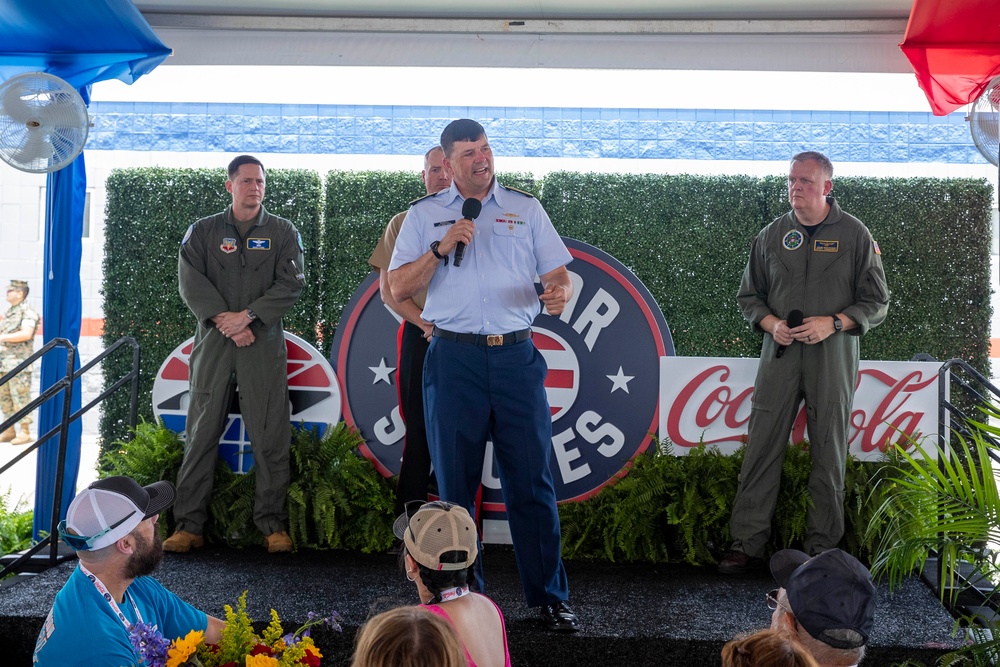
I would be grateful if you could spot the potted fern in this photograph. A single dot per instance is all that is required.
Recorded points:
(336, 497)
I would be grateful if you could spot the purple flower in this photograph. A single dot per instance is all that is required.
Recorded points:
(334, 621)
(149, 644)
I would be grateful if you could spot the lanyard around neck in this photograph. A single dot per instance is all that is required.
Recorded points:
(453, 593)
(110, 599)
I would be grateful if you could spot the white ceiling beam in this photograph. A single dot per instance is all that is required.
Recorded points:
(856, 45)
(525, 27)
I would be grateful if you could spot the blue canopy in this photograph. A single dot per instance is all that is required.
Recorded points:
(82, 42)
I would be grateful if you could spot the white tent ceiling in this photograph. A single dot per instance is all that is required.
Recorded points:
(776, 35)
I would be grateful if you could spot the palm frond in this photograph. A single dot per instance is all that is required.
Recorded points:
(944, 504)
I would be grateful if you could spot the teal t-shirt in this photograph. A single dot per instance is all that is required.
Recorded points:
(82, 628)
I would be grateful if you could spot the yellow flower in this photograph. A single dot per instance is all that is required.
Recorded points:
(261, 661)
(181, 649)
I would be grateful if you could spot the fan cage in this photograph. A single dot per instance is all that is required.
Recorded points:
(984, 122)
(43, 123)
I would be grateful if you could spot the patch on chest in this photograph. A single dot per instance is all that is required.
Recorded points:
(228, 245)
(792, 240)
(258, 244)
(826, 246)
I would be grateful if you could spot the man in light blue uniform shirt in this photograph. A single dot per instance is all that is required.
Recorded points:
(483, 377)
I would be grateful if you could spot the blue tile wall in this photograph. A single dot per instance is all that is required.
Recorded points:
(651, 134)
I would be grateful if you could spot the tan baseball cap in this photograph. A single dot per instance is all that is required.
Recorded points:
(437, 528)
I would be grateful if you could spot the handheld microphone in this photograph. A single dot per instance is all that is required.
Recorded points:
(471, 209)
(793, 320)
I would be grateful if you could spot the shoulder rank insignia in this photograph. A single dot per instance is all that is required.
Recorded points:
(431, 194)
(520, 192)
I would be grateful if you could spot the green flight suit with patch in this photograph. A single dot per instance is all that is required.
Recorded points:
(219, 271)
(837, 269)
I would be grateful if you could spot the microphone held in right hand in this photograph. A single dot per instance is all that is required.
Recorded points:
(793, 320)
(471, 209)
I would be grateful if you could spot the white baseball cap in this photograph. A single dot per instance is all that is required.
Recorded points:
(109, 509)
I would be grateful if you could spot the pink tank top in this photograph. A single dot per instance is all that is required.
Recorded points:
(468, 658)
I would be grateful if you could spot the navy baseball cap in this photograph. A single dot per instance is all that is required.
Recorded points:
(831, 595)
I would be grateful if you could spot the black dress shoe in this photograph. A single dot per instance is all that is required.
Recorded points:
(737, 562)
(560, 618)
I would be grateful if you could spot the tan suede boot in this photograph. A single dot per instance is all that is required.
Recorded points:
(8, 435)
(182, 542)
(278, 542)
(24, 438)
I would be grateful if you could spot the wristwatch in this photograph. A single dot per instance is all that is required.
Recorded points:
(252, 315)
(434, 249)
(838, 326)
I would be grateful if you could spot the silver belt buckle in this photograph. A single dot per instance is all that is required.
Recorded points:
(493, 340)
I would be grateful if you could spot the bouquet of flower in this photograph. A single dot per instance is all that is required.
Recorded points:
(240, 645)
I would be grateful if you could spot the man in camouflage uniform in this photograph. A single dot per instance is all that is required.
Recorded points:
(17, 342)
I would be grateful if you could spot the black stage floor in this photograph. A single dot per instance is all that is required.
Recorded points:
(634, 614)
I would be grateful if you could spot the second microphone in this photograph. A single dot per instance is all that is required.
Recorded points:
(793, 320)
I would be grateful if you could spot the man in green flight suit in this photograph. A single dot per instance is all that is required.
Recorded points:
(822, 264)
(239, 272)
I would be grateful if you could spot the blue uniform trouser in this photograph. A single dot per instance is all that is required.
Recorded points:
(474, 393)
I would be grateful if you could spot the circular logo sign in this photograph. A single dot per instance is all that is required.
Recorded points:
(603, 354)
(313, 394)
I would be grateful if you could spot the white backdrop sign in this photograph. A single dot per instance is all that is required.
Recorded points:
(708, 399)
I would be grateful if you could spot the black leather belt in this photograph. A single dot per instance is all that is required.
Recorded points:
(486, 340)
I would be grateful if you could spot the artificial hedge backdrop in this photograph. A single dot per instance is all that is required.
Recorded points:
(686, 237)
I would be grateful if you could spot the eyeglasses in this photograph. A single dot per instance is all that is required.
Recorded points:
(773, 602)
(82, 542)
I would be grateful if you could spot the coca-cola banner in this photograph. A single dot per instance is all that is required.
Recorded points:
(707, 399)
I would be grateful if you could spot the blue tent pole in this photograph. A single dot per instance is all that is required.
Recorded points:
(61, 314)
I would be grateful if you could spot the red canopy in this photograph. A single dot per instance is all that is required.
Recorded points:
(954, 49)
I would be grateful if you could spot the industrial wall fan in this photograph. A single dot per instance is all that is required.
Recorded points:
(43, 122)
(984, 121)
